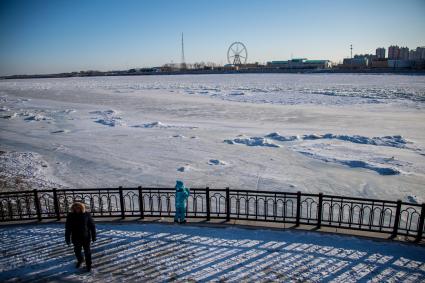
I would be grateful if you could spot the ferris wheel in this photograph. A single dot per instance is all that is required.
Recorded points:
(237, 54)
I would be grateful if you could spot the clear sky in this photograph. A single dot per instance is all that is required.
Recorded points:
(46, 36)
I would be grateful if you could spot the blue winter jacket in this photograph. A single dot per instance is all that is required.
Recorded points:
(182, 193)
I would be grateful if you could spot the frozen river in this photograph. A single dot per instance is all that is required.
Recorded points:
(347, 134)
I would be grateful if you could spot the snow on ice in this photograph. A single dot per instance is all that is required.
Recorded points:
(337, 153)
(346, 134)
(25, 170)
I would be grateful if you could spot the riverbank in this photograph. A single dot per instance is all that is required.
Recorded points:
(399, 71)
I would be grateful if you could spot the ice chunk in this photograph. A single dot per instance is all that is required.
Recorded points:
(109, 112)
(254, 141)
(156, 124)
(412, 199)
(312, 137)
(111, 122)
(278, 137)
(391, 141)
(237, 93)
(108, 118)
(36, 117)
(10, 116)
(60, 131)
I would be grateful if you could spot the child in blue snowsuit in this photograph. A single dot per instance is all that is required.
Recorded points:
(182, 193)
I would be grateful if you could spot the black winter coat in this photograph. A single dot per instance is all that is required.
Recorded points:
(80, 228)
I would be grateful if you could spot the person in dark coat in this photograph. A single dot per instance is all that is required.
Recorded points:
(80, 229)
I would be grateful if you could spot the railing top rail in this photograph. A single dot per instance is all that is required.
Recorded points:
(259, 192)
(17, 192)
(252, 192)
(368, 200)
(154, 188)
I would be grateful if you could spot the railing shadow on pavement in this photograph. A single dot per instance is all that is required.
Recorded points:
(154, 254)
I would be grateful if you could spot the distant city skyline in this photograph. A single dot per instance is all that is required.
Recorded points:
(51, 36)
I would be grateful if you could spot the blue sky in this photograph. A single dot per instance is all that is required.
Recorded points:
(47, 36)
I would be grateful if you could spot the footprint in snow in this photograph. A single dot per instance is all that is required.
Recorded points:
(216, 162)
(60, 132)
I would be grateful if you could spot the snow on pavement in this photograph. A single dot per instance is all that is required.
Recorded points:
(165, 252)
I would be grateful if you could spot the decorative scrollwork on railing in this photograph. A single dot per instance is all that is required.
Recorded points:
(309, 209)
(409, 220)
(158, 203)
(397, 218)
(286, 208)
(196, 204)
(131, 201)
(218, 204)
(47, 205)
(365, 215)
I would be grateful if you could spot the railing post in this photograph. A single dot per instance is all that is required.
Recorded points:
(421, 224)
(208, 202)
(56, 204)
(9, 204)
(141, 208)
(227, 204)
(297, 220)
(37, 205)
(319, 211)
(396, 220)
(122, 202)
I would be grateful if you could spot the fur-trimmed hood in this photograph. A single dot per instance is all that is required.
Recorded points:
(78, 206)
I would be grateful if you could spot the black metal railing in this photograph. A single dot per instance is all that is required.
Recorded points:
(393, 217)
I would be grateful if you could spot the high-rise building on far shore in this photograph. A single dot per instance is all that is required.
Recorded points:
(380, 53)
(412, 55)
(393, 52)
(417, 54)
(420, 53)
(404, 53)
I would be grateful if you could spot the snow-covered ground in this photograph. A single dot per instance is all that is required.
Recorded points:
(164, 253)
(346, 134)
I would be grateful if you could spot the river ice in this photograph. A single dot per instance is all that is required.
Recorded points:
(345, 134)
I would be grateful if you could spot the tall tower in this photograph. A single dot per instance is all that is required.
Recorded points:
(183, 63)
(351, 51)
